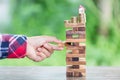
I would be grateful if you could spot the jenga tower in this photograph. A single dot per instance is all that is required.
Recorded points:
(75, 45)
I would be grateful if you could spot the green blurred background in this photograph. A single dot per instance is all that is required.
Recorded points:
(46, 17)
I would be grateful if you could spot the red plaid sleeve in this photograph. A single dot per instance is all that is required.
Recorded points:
(12, 46)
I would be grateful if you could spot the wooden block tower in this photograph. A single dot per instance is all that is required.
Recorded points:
(75, 45)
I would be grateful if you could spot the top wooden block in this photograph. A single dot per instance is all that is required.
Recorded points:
(67, 25)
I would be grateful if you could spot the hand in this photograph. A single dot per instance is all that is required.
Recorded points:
(39, 48)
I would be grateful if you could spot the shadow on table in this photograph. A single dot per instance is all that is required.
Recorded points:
(75, 78)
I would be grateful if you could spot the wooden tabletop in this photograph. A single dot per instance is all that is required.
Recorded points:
(56, 73)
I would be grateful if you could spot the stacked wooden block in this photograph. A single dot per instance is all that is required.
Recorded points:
(75, 45)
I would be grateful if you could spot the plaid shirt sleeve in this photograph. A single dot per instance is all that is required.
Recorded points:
(12, 46)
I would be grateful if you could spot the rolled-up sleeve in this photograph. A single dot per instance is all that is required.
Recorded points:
(12, 46)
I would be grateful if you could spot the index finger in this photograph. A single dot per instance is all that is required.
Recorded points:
(52, 39)
(56, 47)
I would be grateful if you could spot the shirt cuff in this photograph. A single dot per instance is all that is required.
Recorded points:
(17, 46)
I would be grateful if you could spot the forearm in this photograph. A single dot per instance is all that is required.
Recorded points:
(12, 46)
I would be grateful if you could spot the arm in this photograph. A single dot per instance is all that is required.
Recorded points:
(12, 46)
(36, 48)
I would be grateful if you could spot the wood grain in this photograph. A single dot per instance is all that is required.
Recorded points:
(76, 70)
(75, 55)
(75, 40)
(74, 25)
(76, 62)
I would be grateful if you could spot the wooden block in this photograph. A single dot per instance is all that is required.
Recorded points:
(75, 55)
(74, 25)
(67, 21)
(82, 47)
(82, 18)
(76, 70)
(76, 62)
(75, 51)
(82, 52)
(70, 44)
(75, 29)
(82, 44)
(74, 19)
(68, 59)
(68, 36)
(82, 59)
(76, 44)
(78, 51)
(82, 36)
(69, 74)
(78, 74)
(72, 59)
(76, 47)
(75, 34)
(82, 66)
(79, 29)
(75, 40)
(75, 66)
(75, 74)
(73, 44)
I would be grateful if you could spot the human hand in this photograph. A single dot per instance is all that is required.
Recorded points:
(39, 47)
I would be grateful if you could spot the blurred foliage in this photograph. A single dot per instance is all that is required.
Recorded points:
(46, 17)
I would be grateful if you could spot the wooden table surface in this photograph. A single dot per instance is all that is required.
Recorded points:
(56, 73)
